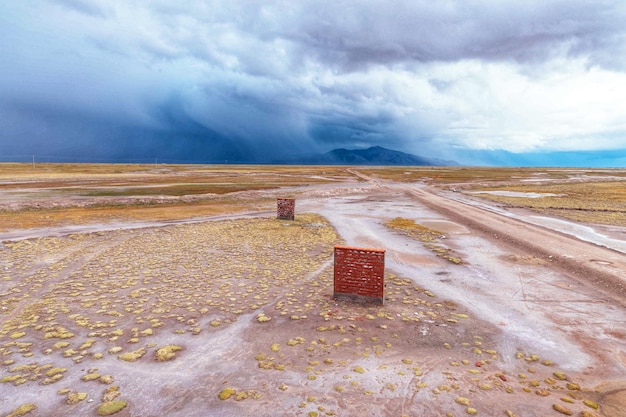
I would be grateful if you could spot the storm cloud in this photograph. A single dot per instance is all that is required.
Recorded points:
(248, 80)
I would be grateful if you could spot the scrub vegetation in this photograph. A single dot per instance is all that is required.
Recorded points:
(488, 175)
(65, 194)
(588, 196)
(431, 238)
(86, 299)
(591, 202)
(89, 300)
(46, 195)
(234, 312)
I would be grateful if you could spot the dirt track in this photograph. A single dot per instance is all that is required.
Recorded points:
(528, 306)
(600, 267)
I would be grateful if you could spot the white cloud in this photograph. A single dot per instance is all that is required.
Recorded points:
(569, 107)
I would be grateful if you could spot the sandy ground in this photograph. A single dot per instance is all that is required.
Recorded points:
(532, 323)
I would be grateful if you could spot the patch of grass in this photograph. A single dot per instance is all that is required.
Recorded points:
(56, 194)
(226, 393)
(111, 407)
(448, 175)
(25, 219)
(416, 230)
(177, 190)
(76, 397)
(132, 356)
(55, 371)
(22, 410)
(453, 175)
(589, 202)
(167, 353)
(426, 235)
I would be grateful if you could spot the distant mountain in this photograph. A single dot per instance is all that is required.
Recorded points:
(376, 155)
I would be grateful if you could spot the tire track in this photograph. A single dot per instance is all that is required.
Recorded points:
(581, 262)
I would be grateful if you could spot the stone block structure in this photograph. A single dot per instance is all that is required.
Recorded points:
(359, 274)
(286, 208)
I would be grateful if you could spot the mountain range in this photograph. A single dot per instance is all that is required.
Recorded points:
(375, 155)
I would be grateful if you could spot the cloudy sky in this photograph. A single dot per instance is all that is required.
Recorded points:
(477, 81)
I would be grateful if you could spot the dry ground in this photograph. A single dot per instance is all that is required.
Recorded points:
(149, 296)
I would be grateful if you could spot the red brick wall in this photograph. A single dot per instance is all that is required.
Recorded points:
(286, 208)
(359, 273)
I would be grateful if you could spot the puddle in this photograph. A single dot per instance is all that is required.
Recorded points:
(517, 194)
(444, 226)
(580, 231)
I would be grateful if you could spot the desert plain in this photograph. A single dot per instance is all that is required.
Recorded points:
(174, 290)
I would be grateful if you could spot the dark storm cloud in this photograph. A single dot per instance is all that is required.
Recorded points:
(252, 78)
(89, 7)
(399, 31)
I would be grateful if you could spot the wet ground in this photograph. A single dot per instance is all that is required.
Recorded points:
(531, 323)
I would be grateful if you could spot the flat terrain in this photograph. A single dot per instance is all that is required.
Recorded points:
(174, 290)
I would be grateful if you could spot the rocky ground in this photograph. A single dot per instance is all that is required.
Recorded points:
(233, 315)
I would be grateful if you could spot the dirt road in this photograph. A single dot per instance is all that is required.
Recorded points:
(590, 264)
(542, 287)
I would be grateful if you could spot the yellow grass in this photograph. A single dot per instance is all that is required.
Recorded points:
(585, 195)
(97, 193)
(160, 285)
(428, 236)
(482, 175)
(591, 202)
(25, 219)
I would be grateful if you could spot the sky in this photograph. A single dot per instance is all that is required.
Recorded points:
(479, 82)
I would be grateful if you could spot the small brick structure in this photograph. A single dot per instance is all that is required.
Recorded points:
(359, 274)
(286, 208)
